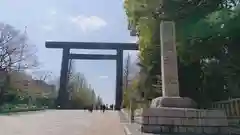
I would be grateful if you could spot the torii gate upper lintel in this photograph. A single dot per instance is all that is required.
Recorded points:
(66, 46)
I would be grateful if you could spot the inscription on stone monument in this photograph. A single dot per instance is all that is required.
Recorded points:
(169, 46)
(171, 80)
(166, 60)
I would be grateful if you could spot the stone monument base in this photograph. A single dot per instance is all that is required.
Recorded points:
(177, 102)
(184, 120)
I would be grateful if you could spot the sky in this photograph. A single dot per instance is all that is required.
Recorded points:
(73, 20)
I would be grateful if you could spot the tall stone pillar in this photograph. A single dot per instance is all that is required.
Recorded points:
(169, 70)
(169, 60)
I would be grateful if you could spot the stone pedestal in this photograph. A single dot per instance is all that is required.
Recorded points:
(184, 120)
(177, 102)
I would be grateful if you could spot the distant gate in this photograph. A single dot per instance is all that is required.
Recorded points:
(62, 98)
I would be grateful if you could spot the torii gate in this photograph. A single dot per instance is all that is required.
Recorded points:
(66, 55)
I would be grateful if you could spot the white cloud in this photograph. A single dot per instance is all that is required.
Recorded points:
(103, 77)
(88, 23)
(53, 12)
(47, 27)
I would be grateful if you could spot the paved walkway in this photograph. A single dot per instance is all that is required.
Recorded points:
(66, 122)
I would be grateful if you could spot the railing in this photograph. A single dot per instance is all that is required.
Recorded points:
(231, 107)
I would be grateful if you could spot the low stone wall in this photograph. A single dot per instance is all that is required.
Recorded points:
(184, 120)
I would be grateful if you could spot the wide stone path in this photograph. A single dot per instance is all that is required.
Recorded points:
(65, 122)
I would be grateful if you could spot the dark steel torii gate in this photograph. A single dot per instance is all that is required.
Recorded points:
(66, 55)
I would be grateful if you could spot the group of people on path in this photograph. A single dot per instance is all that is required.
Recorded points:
(102, 107)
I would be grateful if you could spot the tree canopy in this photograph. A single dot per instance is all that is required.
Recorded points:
(16, 53)
(81, 93)
(207, 46)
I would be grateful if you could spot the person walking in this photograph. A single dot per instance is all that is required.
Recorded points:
(103, 108)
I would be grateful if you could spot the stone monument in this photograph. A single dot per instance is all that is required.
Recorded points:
(172, 113)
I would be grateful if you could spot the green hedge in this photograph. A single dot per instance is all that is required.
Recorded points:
(10, 108)
(20, 110)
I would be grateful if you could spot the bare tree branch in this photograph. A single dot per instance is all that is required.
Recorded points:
(15, 52)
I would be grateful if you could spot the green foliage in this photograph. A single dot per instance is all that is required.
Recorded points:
(207, 44)
(81, 93)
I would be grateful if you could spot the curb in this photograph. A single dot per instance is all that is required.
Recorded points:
(125, 113)
(126, 130)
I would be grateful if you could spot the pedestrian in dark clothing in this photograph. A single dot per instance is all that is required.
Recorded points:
(103, 108)
(90, 108)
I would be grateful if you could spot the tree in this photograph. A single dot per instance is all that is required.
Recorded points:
(126, 72)
(207, 45)
(15, 52)
(81, 94)
(42, 75)
(99, 101)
